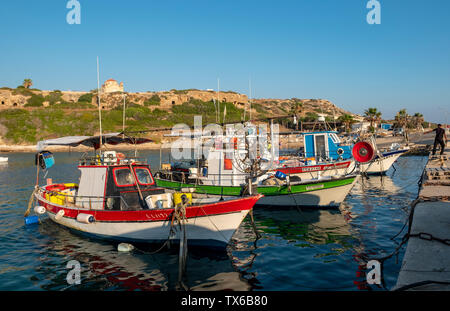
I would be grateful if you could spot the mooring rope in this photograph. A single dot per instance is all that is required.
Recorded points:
(30, 202)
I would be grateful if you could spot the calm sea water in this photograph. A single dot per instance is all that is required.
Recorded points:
(297, 250)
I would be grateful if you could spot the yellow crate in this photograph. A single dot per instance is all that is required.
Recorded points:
(177, 197)
(58, 199)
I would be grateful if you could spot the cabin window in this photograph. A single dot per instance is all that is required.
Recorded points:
(334, 138)
(123, 177)
(143, 176)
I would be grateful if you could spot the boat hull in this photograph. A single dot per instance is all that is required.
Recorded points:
(340, 168)
(211, 225)
(329, 192)
(380, 166)
(322, 197)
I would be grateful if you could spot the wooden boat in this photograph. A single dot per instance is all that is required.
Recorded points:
(326, 155)
(382, 163)
(118, 199)
(323, 192)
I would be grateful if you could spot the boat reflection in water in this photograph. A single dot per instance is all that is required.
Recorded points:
(306, 240)
(383, 183)
(104, 268)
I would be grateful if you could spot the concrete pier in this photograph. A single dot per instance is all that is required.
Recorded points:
(427, 256)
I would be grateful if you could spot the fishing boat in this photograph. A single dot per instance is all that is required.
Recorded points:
(3, 159)
(326, 155)
(382, 162)
(223, 173)
(117, 199)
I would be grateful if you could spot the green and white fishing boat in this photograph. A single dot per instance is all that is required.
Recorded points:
(227, 172)
(322, 192)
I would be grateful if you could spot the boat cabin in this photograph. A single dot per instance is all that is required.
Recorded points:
(109, 180)
(112, 182)
(326, 146)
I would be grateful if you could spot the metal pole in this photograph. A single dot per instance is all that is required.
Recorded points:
(123, 124)
(99, 105)
(218, 99)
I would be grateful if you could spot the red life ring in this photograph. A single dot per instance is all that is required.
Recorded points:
(363, 152)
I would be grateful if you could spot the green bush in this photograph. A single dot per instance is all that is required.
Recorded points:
(35, 101)
(87, 98)
(153, 101)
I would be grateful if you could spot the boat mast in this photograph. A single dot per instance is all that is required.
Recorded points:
(250, 99)
(99, 105)
(123, 122)
(218, 100)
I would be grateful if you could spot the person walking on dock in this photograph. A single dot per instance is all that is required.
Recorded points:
(441, 138)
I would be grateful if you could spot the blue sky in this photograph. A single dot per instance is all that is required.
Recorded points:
(303, 48)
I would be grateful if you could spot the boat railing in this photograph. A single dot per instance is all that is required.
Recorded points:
(73, 197)
(101, 161)
(325, 156)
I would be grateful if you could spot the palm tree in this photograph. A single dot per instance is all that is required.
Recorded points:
(418, 120)
(296, 108)
(27, 83)
(372, 115)
(401, 119)
(347, 120)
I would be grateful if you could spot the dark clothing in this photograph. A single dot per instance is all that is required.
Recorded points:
(439, 133)
(439, 139)
(440, 142)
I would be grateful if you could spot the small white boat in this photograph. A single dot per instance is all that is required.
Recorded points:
(381, 163)
(3, 159)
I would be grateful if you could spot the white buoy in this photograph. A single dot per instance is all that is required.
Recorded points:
(85, 218)
(125, 247)
(59, 215)
(39, 210)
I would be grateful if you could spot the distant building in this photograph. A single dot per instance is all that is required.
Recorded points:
(111, 86)
(360, 126)
(386, 126)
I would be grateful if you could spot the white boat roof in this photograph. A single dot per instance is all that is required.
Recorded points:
(90, 141)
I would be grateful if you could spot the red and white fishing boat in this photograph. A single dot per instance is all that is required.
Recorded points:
(117, 198)
(337, 168)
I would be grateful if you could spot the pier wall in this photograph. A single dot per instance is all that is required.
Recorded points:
(426, 264)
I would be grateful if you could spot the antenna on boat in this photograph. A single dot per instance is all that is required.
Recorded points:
(99, 105)
(250, 99)
(218, 100)
(123, 122)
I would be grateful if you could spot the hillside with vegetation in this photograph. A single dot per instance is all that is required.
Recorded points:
(29, 115)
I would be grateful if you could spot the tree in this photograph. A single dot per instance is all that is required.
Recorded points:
(347, 120)
(372, 115)
(296, 108)
(27, 83)
(418, 120)
(401, 121)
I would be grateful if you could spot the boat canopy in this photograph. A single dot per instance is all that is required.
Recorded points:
(91, 141)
